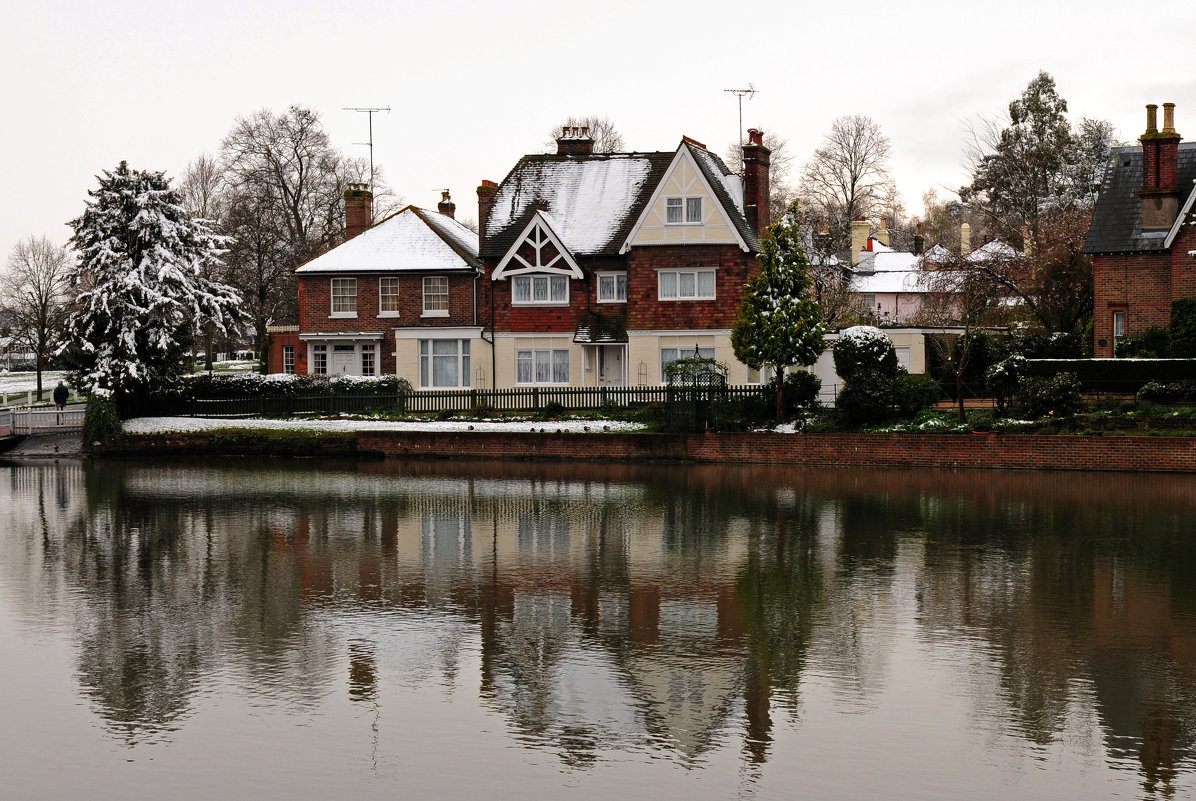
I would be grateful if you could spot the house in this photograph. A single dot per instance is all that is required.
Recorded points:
(397, 297)
(1142, 238)
(601, 268)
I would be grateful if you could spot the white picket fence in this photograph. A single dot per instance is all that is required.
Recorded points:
(40, 420)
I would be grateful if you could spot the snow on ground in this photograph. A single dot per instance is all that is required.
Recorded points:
(17, 383)
(153, 425)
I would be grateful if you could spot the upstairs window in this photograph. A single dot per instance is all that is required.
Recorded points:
(612, 287)
(680, 210)
(686, 284)
(388, 296)
(540, 290)
(344, 297)
(436, 296)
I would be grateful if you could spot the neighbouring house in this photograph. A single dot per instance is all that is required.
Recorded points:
(1142, 237)
(400, 296)
(602, 268)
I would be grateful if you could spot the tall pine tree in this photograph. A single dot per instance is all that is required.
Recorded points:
(141, 284)
(779, 324)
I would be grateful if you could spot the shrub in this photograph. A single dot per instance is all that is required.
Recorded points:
(1153, 343)
(100, 420)
(982, 420)
(1002, 378)
(867, 362)
(1183, 328)
(865, 402)
(1168, 393)
(1059, 395)
(913, 393)
(553, 410)
(1053, 345)
(801, 392)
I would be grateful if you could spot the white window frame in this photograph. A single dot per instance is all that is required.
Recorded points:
(369, 359)
(436, 293)
(288, 359)
(542, 366)
(533, 283)
(428, 361)
(319, 360)
(687, 210)
(612, 287)
(1118, 324)
(670, 284)
(344, 297)
(384, 283)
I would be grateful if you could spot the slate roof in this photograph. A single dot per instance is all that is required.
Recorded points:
(595, 200)
(1117, 219)
(595, 328)
(412, 240)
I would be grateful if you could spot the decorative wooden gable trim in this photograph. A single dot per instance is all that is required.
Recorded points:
(684, 178)
(537, 250)
(1179, 220)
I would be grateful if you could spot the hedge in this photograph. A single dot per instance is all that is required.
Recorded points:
(1114, 375)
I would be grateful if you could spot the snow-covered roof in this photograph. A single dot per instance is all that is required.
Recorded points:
(591, 199)
(995, 250)
(413, 240)
(889, 281)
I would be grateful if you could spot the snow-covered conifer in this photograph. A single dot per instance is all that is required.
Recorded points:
(140, 283)
(779, 324)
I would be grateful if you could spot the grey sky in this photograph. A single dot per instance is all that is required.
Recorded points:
(475, 85)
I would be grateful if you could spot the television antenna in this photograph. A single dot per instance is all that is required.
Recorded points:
(741, 94)
(370, 110)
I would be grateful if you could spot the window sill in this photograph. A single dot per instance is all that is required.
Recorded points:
(388, 314)
(343, 315)
(545, 305)
(685, 300)
(600, 300)
(436, 313)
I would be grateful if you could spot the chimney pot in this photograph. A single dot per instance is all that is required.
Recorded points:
(755, 136)
(1152, 125)
(1168, 118)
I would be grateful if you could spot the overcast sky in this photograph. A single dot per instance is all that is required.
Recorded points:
(472, 86)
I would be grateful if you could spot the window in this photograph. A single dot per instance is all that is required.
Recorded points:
(686, 284)
(764, 376)
(682, 209)
(612, 287)
(436, 296)
(444, 363)
(670, 355)
(542, 366)
(288, 359)
(869, 302)
(319, 359)
(344, 297)
(1118, 324)
(528, 290)
(367, 360)
(388, 296)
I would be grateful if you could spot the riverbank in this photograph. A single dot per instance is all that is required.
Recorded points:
(891, 450)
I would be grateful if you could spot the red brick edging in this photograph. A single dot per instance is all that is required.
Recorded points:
(989, 451)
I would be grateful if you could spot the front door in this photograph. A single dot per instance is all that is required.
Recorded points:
(344, 358)
(610, 365)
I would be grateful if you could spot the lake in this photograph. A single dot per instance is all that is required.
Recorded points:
(510, 631)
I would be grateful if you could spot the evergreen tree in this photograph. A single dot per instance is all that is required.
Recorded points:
(779, 325)
(141, 284)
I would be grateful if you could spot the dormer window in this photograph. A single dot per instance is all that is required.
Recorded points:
(683, 210)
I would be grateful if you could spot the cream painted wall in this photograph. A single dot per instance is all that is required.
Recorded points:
(684, 180)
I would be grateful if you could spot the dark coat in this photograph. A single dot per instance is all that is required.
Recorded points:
(61, 393)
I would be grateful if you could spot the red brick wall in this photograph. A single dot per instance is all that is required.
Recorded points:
(277, 342)
(646, 311)
(987, 451)
(315, 307)
(1143, 286)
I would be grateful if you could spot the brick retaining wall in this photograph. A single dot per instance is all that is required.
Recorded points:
(995, 451)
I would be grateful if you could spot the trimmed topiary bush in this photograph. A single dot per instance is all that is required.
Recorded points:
(1057, 396)
(867, 362)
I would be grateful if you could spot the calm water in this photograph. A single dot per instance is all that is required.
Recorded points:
(265, 630)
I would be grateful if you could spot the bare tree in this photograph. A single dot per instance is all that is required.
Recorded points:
(205, 197)
(34, 292)
(607, 138)
(848, 178)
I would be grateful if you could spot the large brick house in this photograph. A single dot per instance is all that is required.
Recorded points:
(1142, 236)
(603, 267)
(397, 297)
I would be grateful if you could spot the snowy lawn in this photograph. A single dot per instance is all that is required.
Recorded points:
(154, 425)
(23, 385)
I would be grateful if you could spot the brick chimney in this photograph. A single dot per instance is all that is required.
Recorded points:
(756, 160)
(446, 206)
(882, 236)
(359, 207)
(575, 140)
(1160, 169)
(919, 242)
(486, 194)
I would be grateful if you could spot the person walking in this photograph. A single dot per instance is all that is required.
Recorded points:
(61, 393)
